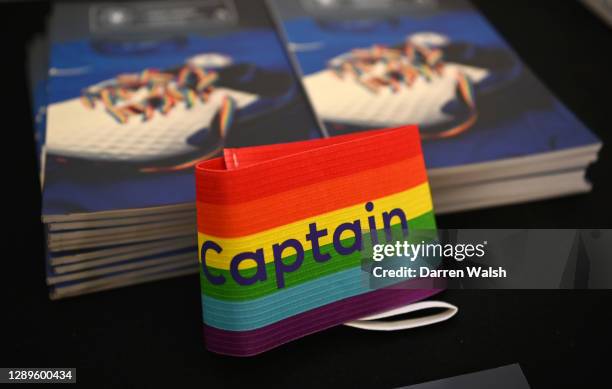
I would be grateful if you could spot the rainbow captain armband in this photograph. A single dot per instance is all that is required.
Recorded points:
(282, 231)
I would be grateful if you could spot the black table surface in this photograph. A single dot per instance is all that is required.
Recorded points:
(150, 335)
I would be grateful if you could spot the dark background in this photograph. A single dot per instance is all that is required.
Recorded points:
(151, 334)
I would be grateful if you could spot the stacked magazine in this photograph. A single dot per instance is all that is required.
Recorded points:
(602, 8)
(132, 102)
(127, 97)
(492, 133)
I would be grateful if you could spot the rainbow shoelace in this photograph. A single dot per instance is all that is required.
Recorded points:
(401, 67)
(189, 85)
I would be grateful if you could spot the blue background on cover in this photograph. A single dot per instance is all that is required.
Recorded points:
(81, 56)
